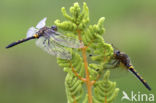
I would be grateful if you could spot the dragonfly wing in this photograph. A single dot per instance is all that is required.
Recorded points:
(61, 52)
(41, 24)
(50, 46)
(66, 41)
(31, 31)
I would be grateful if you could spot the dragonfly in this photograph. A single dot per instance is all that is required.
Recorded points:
(50, 40)
(123, 58)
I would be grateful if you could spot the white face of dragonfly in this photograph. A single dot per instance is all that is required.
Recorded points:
(32, 30)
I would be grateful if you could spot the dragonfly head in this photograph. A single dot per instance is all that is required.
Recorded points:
(117, 53)
(54, 27)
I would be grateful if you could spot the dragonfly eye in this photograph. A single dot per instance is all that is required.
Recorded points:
(117, 52)
(54, 27)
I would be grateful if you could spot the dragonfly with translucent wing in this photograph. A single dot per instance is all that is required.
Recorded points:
(122, 59)
(50, 40)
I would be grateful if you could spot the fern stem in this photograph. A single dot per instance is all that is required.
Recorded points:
(94, 81)
(79, 35)
(89, 43)
(76, 74)
(105, 99)
(88, 82)
(74, 99)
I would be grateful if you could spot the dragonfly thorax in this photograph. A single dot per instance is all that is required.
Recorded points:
(41, 31)
(46, 31)
(122, 57)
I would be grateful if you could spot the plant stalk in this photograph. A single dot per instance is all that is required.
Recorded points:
(105, 99)
(88, 82)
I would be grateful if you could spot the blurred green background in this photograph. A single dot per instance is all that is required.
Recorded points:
(30, 75)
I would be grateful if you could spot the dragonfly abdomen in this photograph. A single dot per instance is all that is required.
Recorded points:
(131, 69)
(20, 41)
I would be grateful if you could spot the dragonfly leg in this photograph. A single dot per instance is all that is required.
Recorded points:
(44, 42)
(115, 64)
(48, 42)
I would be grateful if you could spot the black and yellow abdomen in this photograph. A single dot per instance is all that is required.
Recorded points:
(21, 41)
(131, 69)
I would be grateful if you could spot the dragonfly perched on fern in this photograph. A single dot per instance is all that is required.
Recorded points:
(122, 58)
(50, 40)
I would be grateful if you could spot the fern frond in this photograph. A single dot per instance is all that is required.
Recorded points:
(90, 34)
(79, 70)
(74, 88)
(106, 49)
(77, 21)
(105, 90)
(75, 62)
(66, 25)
